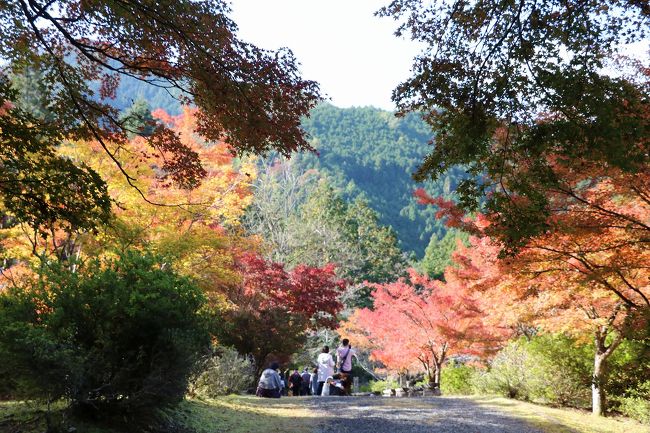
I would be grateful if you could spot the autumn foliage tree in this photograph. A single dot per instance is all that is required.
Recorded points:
(269, 310)
(418, 323)
(587, 276)
(249, 97)
(196, 232)
(595, 262)
(545, 78)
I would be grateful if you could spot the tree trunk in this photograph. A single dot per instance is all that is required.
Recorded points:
(603, 352)
(436, 375)
(438, 360)
(431, 378)
(597, 384)
(428, 372)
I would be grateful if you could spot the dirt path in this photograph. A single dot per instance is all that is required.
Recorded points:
(413, 415)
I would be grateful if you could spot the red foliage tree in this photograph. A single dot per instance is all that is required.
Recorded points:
(419, 322)
(270, 310)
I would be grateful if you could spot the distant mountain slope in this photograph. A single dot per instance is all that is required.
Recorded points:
(369, 151)
(365, 150)
(131, 89)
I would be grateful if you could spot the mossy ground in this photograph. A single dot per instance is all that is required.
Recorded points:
(556, 420)
(244, 414)
(232, 414)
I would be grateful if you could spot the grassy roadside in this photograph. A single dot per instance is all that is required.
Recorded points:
(552, 420)
(30, 417)
(245, 414)
(232, 414)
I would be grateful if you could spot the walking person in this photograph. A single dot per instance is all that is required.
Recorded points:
(313, 382)
(325, 368)
(285, 381)
(270, 384)
(344, 354)
(306, 378)
(295, 382)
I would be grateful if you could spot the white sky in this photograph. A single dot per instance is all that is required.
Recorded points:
(340, 43)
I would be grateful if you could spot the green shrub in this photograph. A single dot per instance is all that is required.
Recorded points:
(566, 368)
(513, 373)
(548, 368)
(115, 335)
(636, 404)
(629, 369)
(458, 379)
(224, 373)
(423, 383)
(379, 385)
(637, 408)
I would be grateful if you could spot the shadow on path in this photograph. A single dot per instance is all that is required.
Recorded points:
(419, 415)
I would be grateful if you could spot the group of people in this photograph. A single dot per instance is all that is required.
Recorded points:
(328, 378)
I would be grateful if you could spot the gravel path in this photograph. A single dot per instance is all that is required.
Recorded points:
(412, 415)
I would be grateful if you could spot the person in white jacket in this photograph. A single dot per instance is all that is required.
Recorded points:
(325, 368)
(326, 387)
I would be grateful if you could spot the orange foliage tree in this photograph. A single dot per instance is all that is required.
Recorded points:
(588, 274)
(593, 266)
(196, 228)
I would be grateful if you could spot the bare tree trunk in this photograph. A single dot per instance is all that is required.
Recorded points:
(438, 360)
(602, 353)
(436, 375)
(597, 384)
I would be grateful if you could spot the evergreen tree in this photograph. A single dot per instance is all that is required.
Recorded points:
(438, 254)
(384, 260)
(137, 119)
(304, 219)
(32, 93)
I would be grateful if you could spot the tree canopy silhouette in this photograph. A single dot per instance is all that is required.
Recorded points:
(251, 98)
(516, 89)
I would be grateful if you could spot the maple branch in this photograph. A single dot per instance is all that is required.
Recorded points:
(642, 195)
(632, 287)
(590, 266)
(78, 101)
(614, 214)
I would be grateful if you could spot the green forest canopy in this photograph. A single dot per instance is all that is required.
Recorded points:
(367, 152)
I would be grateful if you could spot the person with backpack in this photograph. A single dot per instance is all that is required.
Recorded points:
(344, 354)
(295, 383)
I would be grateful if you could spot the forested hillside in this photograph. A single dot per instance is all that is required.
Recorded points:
(371, 152)
(131, 90)
(367, 151)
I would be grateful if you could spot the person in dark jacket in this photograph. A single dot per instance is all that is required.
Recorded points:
(285, 376)
(306, 377)
(295, 383)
